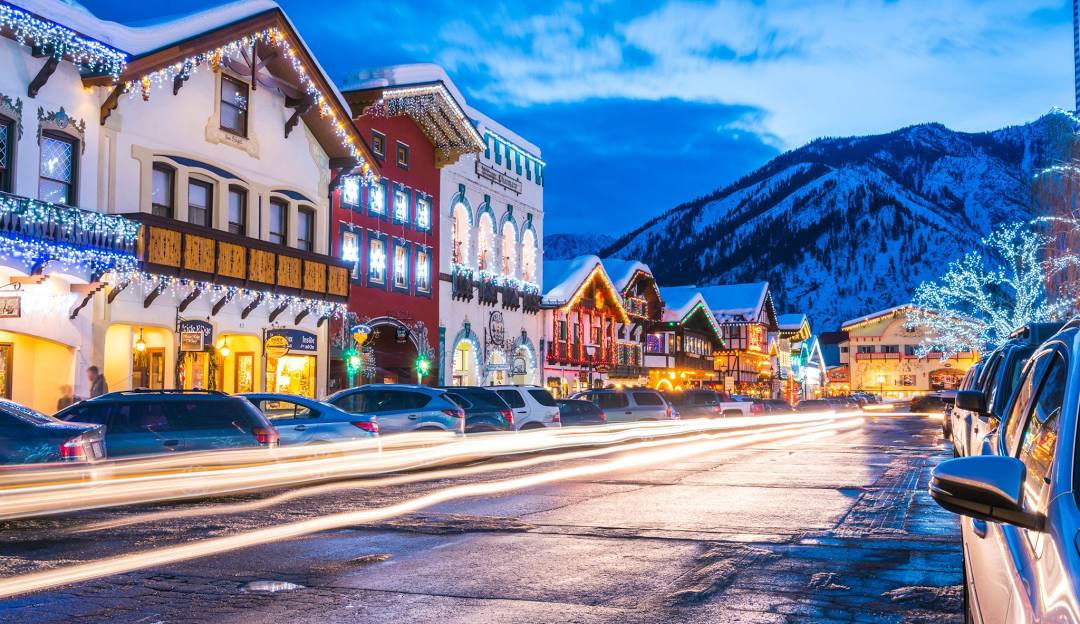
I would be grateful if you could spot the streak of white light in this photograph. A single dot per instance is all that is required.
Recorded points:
(119, 564)
(172, 478)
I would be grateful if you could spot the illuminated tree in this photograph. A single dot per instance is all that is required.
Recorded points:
(1014, 278)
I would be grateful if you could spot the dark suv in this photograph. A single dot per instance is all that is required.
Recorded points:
(994, 386)
(145, 422)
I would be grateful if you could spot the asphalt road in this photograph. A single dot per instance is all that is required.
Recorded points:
(828, 529)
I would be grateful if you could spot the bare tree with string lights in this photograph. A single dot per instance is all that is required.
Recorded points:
(1012, 279)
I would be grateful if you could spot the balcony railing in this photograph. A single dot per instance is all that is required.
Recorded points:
(32, 219)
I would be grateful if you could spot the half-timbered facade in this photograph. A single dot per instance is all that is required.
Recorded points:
(680, 350)
(643, 304)
(746, 317)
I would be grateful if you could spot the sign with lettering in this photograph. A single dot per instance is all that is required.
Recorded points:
(495, 176)
(195, 335)
(295, 341)
(10, 307)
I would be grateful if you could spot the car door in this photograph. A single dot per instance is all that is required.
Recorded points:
(392, 409)
(648, 406)
(614, 404)
(296, 424)
(210, 425)
(141, 428)
(516, 402)
(989, 547)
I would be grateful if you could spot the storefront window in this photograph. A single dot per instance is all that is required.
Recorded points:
(291, 374)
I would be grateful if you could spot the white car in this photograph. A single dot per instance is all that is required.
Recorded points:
(533, 406)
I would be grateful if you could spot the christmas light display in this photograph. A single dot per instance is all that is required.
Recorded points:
(60, 42)
(73, 258)
(235, 50)
(179, 288)
(434, 109)
(31, 212)
(992, 291)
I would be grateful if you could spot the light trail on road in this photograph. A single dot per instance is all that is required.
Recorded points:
(198, 475)
(678, 450)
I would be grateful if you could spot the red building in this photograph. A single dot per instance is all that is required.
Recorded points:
(388, 227)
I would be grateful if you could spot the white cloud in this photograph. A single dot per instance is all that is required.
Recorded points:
(831, 67)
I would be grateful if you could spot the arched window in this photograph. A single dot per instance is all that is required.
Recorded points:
(460, 233)
(509, 248)
(528, 256)
(485, 242)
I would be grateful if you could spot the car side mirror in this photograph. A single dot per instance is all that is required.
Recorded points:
(987, 487)
(971, 400)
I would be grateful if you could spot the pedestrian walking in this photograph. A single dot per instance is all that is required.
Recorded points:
(67, 397)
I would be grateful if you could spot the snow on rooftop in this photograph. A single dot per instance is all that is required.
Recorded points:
(878, 314)
(622, 271)
(563, 278)
(423, 73)
(679, 301)
(792, 322)
(736, 302)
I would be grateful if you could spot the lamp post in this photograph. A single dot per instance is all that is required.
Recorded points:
(590, 352)
(881, 385)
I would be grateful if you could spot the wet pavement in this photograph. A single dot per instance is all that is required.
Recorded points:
(830, 529)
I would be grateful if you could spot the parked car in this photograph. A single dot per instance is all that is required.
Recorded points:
(951, 413)
(933, 403)
(815, 405)
(146, 422)
(30, 437)
(996, 382)
(630, 405)
(575, 412)
(484, 410)
(300, 420)
(1021, 562)
(533, 406)
(400, 408)
(772, 406)
(703, 403)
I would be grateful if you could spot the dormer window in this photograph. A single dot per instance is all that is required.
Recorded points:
(234, 106)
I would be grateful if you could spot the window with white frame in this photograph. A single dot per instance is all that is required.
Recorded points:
(401, 205)
(162, 190)
(376, 261)
(305, 229)
(377, 198)
(279, 221)
(234, 105)
(423, 213)
(350, 191)
(485, 242)
(423, 270)
(238, 203)
(350, 251)
(58, 169)
(528, 256)
(200, 202)
(509, 248)
(401, 265)
(460, 234)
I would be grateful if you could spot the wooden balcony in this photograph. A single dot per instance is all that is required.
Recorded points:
(170, 247)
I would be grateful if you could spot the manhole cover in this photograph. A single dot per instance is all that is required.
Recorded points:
(270, 586)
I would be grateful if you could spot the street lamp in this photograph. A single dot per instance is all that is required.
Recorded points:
(881, 385)
(590, 352)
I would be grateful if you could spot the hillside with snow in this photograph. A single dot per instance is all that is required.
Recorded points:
(844, 226)
(566, 246)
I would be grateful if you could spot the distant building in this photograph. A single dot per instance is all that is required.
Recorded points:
(883, 358)
(680, 351)
(834, 351)
(645, 307)
(746, 317)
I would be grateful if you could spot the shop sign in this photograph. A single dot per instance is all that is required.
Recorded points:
(519, 366)
(10, 307)
(195, 335)
(295, 341)
(491, 174)
(276, 346)
(729, 384)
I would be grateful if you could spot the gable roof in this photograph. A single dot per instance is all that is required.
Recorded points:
(880, 314)
(791, 322)
(735, 303)
(425, 92)
(680, 301)
(563, 279)
(179, 46)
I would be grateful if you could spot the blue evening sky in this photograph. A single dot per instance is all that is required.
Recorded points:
(640, 105)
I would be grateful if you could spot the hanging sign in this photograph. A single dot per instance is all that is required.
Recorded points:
(293, 341)
(276, 346)
(360, 333)
(195, 335)
(10, 307)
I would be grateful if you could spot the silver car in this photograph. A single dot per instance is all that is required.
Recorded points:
(300, 420)
(630, 405)
(402, 407)
(1021, 554)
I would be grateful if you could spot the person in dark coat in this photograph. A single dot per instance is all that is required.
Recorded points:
(98, 386)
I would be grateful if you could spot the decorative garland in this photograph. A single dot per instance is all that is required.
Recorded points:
(234, 50)
(70, 257)
(38, 212)
(60, 42)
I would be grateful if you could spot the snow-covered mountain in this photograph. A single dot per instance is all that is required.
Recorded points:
(566, 246)
(844, 226)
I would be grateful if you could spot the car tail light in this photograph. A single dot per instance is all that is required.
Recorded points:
(667, 412)
(757, 408)
(266, 437)
(73, 450)
(367, 425)
(557, 417)
(458, 413)
(509, 416)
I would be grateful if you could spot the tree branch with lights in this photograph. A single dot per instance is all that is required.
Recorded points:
(1009, 281)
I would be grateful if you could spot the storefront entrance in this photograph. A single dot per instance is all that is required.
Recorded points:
(35, 372)
(395, 354)
(464, 365)
(291, 361)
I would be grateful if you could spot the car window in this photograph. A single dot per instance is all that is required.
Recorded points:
(647, 398)
(512, 397)
(609, 400)
(485, 399)
(462, 402)
(1039, 442)
(705, 398)
(389, 400)
(352, 402)
(543, 397)
(284, 410)
(191, 415)
(93, 414)
(569, 407)
(1002, 389)
(138, 418)
(1015, 420)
